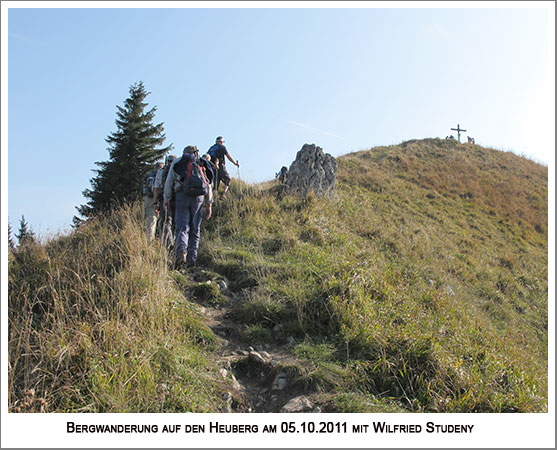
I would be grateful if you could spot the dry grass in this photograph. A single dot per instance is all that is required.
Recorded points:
(97, 325)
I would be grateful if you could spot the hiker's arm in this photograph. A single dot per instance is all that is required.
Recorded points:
(208, 202)
(232, 160)
(156, 194)
(169, 185)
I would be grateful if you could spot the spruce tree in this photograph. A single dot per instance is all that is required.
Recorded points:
(11, 244)
(133, 151)
(25, 235)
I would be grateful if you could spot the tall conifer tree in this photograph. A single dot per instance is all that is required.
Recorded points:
(133, 152)
(11, 243)
(25, 235)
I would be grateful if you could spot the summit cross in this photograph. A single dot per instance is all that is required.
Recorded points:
(459, 130)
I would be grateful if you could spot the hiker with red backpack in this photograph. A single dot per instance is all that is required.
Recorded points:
(188, 181)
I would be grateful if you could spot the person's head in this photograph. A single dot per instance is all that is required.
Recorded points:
(191, 150)
(169, 159)
(219, 140)
(207, 156)
(159, 165)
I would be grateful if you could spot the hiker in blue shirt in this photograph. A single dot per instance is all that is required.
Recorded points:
(218, 153)
(187, 181)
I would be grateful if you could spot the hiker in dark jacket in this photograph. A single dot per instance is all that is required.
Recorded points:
(211, 170)
(189, 207)
(282, 174)
(218, 153)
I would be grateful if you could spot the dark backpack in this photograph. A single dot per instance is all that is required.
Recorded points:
(191, 176)
(147, 189)
(212, 152)
(209, 169)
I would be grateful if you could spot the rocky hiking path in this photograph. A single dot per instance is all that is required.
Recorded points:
(258, 374)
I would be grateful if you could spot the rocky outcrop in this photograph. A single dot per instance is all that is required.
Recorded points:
(313, 170)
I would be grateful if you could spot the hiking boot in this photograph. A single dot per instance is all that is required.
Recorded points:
(180, 261)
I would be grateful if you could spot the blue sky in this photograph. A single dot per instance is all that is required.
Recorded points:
(268, 80)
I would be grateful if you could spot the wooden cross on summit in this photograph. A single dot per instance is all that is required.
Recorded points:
(459, 130)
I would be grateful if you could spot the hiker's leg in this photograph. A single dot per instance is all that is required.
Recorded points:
(162, 223)
(196, 215)
(182, 224)
(225, 178)
(172, 223)
(150, 218)
(217, 182)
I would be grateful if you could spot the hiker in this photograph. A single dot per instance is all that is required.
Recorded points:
(210, 170)
(218, 152)
(188, 181)
(282, 174)
(166, 220)
(149, 202)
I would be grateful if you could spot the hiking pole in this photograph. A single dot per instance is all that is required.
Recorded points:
(239, 179)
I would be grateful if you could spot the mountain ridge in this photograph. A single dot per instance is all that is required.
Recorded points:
(420, 286)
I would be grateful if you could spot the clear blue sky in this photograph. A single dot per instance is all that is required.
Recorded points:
(268, 80)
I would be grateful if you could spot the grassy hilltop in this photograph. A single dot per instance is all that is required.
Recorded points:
(420, 286)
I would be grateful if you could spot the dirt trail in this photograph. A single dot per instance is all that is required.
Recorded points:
(260, 383)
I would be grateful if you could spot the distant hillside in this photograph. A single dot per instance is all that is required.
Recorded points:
(420, 286)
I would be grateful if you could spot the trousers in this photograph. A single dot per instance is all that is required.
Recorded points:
(150, 218)
(166, 224)
(189, 212)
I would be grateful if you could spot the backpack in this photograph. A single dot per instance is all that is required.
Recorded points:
(147, 189)
(190, 175)
(163, 182)
(212, 152)
(209, 170)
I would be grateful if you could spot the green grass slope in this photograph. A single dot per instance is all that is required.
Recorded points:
(422, 283)
(421, 286)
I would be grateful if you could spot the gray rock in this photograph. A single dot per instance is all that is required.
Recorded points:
(257, 357)
(280, 382)
(235, 382)
(312, 170)
(266, 355)
(223, 372)
(223, 286)
(297, 405)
